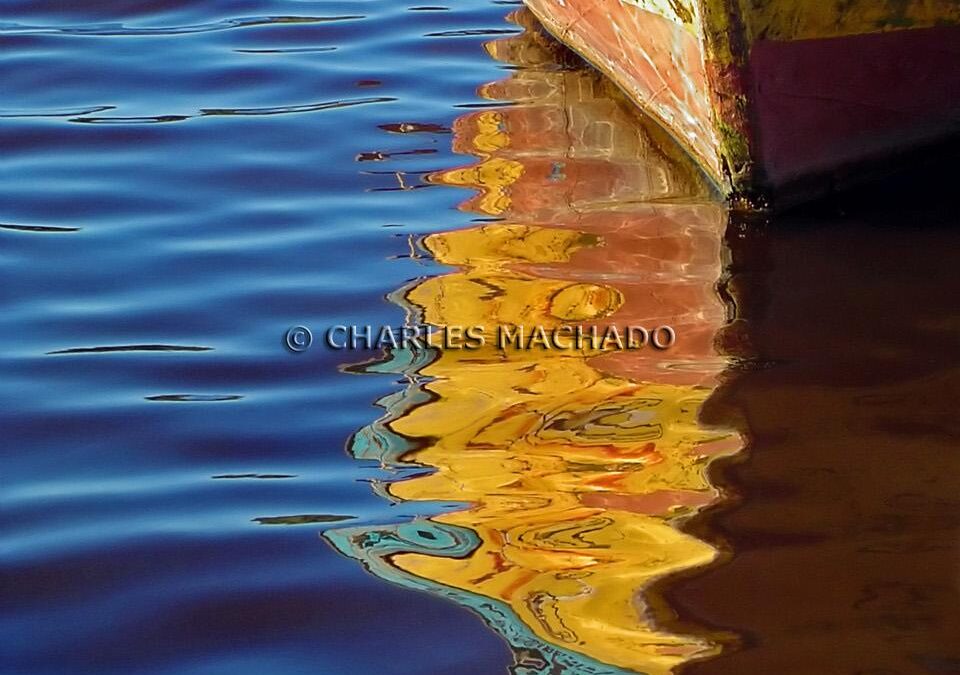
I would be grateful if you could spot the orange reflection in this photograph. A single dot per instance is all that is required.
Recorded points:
(575, 466)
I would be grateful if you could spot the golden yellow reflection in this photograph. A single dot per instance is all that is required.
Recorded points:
(572, 467)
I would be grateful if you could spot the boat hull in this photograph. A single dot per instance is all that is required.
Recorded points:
(779, 101)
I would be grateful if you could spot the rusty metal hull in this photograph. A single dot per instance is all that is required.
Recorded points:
(779, 100)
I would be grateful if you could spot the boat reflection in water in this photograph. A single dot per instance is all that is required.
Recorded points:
(572, 469)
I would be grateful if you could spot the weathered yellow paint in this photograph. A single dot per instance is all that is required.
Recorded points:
(729, 27)
(806, 19)
(684, 12)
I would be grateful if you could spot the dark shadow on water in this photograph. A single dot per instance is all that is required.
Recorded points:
(843, 539)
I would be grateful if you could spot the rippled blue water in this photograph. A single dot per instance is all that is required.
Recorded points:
(182, 175)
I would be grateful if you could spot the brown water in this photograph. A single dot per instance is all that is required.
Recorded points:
(843, 542)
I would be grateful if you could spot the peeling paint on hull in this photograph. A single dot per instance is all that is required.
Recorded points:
(657, 61)
(779, 101)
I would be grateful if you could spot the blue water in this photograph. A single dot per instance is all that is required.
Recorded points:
(184, 175)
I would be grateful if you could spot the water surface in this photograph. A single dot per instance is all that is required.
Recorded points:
(181, 494)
